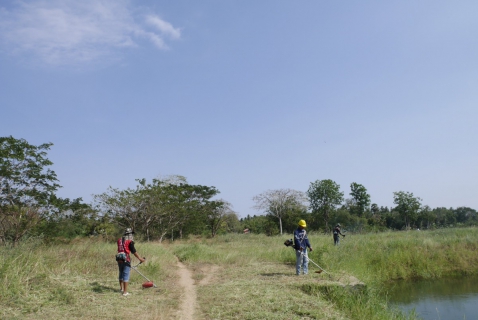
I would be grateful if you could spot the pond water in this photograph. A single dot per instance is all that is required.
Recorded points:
(443, 299)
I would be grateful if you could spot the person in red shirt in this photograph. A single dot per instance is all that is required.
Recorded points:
(125, 248)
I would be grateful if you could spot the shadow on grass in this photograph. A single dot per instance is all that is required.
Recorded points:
(277, 274)
(99, 288)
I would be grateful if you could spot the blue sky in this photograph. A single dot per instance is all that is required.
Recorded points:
(248, 96)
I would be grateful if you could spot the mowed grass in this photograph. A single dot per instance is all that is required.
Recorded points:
(257, 278)
(237, 276)
(254, 280)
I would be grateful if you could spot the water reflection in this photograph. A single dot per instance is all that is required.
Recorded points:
(451, 298)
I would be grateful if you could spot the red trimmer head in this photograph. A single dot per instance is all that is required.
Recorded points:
(148, 284)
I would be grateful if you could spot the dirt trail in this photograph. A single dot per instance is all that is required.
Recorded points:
(188, 300)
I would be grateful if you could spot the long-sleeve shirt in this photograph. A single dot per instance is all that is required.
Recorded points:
(300, 239)
(337, 232)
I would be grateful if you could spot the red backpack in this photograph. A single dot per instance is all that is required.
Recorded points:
(123, 250)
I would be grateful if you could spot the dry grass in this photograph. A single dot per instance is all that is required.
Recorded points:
(79, 281)
(262, 290)
(236, 276)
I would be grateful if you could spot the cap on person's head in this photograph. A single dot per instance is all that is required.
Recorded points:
(338, 225)
(128, 231)
(302, 223)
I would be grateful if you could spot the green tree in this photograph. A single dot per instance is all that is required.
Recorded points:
(232, 223)
(162, 207)
(24, 177)
(425, 217)
(444, 216)
(217, 216)
(176, 206)
(360, 199)
(376, 219)
(465, 214)
(260, 224)
(408, 206)
(26, 184)
(126, 207)
(393, 220)
(324, 197)
(68, 219)
(294, 215)
(384, 210)
(374, 208)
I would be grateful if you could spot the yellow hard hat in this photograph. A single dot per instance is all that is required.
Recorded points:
(302, 223)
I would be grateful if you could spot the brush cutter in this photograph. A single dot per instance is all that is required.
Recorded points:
(318, 271)
(148, 284)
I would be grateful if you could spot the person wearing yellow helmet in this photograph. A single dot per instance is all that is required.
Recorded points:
(301, 243)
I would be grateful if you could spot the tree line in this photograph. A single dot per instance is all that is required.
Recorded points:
(170, 207)
(324, 205)
(166, 207)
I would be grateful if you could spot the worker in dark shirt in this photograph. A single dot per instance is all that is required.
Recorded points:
(337, 234)
(301, 243)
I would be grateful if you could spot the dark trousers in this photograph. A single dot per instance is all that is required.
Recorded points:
(336, 239)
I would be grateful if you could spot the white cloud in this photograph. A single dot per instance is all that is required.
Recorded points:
(71, 31)
(158, 42)
(165, 27)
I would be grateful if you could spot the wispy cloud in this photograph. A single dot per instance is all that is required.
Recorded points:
(165, 27)
(71, 31)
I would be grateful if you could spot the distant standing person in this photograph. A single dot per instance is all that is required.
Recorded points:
(301, 243)
(337, 234)
(125, 248)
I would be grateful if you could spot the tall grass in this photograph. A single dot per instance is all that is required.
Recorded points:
(404, 255)
(251, 276)
(364, 303)
(79, 280)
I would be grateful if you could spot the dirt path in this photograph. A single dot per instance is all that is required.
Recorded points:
(188, 300)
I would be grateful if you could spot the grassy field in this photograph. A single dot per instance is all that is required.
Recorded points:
(248, 276)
